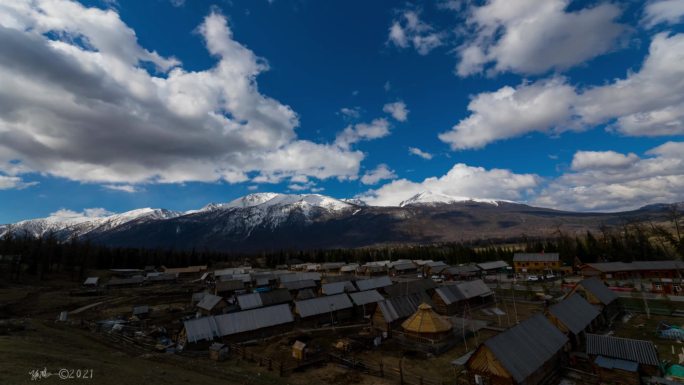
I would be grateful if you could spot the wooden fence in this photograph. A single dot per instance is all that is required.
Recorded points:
(381, 369)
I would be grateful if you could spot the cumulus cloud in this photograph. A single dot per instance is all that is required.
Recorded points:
(398, 110)
(382, 172)
(648, 102)
(533, 37)
(377, 128)
(407, 30)
(14, 182)
(351, 113)
(461, 181)
(509, 112)
(610, 181)
(122, 187)
(663, 11)
(66, 215)
(77, 101)
(420, 153)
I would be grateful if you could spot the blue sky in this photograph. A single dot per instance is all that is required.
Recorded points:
(550, 105)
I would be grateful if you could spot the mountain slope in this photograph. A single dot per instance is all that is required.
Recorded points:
(267, 221)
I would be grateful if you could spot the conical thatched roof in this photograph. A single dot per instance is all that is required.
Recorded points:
(425, 320)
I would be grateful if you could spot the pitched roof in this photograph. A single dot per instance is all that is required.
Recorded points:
(249, 301)
(136, 280)
(596, 287)
(322, 305)
(401, 288)
(643, 352)
(300, 276)
(402, 266)
(141, 309)
(91, 281)
(524, 348)
(614, 363)
(574, 312)
(209, 301)
(396, 308)
(364, 297)
(492, 265)
(207, 328)
(464, 269)
(463, 291)
(535, 257)
(274, 297)
(611, 267)
(184, 270)
(230, 285)
(337, 287)
(296, 285)
(374, 283)
(305, 294)
(425, 320)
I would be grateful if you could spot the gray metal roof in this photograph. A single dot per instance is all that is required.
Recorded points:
(332, 265)
(207, 328)
(596, 287)
(612, 267)
(322, 305)
(337, 287)
(574, 312)
(402, 266)
(493, 265)
(196, 297)
(275, 297)
(209, 301)
(91, 281)
(461, 269)
(296, 285)
(137, 280)
(401, 288)
(141, 309)
(374, 283)
(396, 308)
(643, 352)
(614, 363)
(463, 291)
(535, 257)
(305, 294)
(230, 285)
(524, 348)
(249, 301)
(363, 297)
(300, 276)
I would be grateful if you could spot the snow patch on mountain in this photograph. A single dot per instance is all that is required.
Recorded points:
(434, 198)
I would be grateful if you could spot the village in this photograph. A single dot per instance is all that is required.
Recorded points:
(533, 321)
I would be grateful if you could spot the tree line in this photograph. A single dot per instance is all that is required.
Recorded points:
(41, 256)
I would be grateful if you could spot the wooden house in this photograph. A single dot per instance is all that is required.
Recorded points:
(494, 267)
(529, 353)
(433, 268)
(238, 326)
(452, 299)
(599, 295)
(374, 283)
(229, 287)
(461, 273)
(365, 302)
(536, 263)
(91, 282)
(329, 309)
(621, 360)
(404, 286)
(575, 317)
(398, 268)
(211, 304)
(633, 270)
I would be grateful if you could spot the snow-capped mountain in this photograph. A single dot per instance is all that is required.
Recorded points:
(65, 224)
(434, 198)
(269, 221)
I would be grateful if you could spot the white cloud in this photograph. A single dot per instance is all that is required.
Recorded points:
(663, 11)
(351, 113)
(398, 110)
(509, 112)
(407, 30)
(78, 103)
(13, 182)
(387, 86)
(122, 187)
(382, 172)
(610, 181)
(420, 153)
(66, 215)
(177, 3)
(648, 102)
(463, 181)
(378, 128)
(533, 37)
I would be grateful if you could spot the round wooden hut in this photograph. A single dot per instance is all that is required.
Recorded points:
(425, 323)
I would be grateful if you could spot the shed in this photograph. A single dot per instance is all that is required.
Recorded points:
(390, 312)
(211, 304)
(91, 281)
(218, 351)
(299, 350)
(528, 353)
